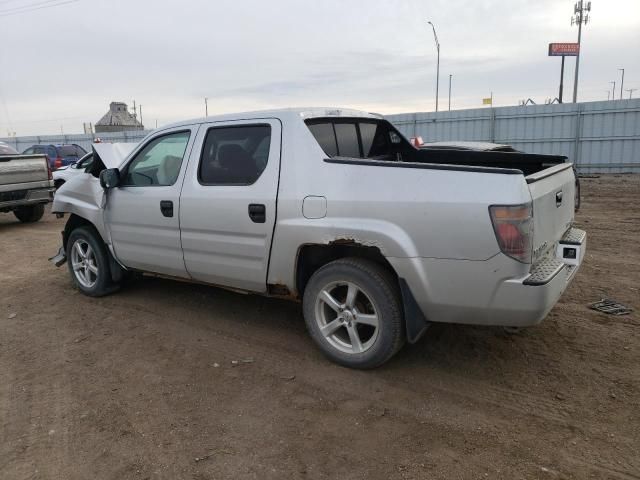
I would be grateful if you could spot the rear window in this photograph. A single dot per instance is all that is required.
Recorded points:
(70, 151)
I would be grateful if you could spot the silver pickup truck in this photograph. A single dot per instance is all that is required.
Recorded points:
(337, 209)
(26, 184)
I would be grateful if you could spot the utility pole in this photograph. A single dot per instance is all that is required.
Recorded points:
(135, 111)
(141, 125)
(613, 90)
(206, 107)
(621, 81)
(450, 91)
(631, 90)
(580, 17)
(435, 36)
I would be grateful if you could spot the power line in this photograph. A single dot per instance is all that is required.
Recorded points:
(22, 7)
(35, 6)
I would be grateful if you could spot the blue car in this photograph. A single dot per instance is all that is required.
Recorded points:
(58, 155)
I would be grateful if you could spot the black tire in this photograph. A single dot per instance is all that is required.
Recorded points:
(377, 290)
(103, 285)
(29, 214)
(578, 195)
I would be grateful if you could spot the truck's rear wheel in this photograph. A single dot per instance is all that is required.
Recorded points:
(89, 263)
(353, 312)
(29, 214)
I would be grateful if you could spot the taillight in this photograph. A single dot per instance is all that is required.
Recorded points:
(57, 163)
(513, 225)
(49, 173)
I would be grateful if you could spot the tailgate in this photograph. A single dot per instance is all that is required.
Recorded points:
(553, 195)
(16, 169)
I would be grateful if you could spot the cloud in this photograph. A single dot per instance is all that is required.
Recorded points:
(62, 66)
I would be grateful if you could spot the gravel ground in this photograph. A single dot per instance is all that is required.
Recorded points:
(169, 380)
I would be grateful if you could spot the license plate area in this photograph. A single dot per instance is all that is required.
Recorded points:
(569, 254)
(570, 248)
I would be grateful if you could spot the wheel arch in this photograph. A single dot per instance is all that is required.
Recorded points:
(76, 221)
(311, 257)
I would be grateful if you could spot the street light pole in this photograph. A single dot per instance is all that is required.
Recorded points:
(206, 107)
(450, 75)
(631, 90)
(621, 82)
(613, 90)
(435, 36)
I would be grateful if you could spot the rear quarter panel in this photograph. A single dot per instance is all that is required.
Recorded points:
(405, 212)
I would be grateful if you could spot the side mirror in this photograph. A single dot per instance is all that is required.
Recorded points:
(109, 178)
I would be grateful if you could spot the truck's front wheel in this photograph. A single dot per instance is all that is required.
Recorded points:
(29, 214)
(89, 263)
(353, 312)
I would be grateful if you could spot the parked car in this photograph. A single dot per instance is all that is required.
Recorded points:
(337, 209)
(484, 147)
(26, 184)
(7, 149)
(63, 174)
(58, 155)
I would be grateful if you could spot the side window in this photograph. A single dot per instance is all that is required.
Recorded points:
(28, 151)
(325, 136)
(38, 149)
(52, 153)
(234, 155)
(347, 138)
(159, 162)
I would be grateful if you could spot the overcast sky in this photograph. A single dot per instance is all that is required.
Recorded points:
(61, 66)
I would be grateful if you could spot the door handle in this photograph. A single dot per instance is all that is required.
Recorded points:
(559, 198)
(166, 207)
(257, 213)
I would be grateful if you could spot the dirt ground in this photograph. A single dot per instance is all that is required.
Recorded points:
(175, 381)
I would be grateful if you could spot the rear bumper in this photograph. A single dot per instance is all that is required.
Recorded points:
(498, 291)
(18, 198)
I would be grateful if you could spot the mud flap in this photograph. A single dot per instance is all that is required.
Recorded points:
(415, 321)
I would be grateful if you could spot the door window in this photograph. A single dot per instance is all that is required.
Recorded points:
(159, 162)
(234, 155)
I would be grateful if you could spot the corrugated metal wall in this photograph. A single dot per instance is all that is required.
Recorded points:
(84, 140)
(597, 136)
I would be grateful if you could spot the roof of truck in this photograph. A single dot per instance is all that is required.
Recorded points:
(307, 112)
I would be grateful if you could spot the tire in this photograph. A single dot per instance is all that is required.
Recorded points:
(377, 296)
(578, 195)
(29, 214)
(58, 183)
(85, 249)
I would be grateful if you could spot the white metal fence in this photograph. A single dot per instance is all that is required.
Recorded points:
(84, 140)
(596, 136)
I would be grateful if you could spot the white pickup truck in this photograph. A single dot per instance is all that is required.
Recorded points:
(337, 209)
(26, 184)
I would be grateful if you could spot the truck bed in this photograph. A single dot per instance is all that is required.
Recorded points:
(528, 163)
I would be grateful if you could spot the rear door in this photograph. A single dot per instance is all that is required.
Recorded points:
(228, 203)
(553, 194)
(142, 214)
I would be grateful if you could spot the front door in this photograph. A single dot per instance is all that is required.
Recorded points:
(228, 203)
(143, 213)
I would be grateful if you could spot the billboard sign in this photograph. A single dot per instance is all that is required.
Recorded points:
(564, 49)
